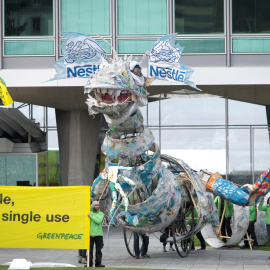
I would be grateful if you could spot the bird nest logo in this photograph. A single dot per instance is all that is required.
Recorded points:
(83, 48)
(164, 51)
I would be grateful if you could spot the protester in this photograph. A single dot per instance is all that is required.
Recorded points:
(168, 232)
(266, 208)
(144, 248)
(198, 234)
(226, 224)
(251, 227)
(96, 234)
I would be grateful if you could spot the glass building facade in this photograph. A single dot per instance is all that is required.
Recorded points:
(39, 169)
(133, 26)
(221, 135)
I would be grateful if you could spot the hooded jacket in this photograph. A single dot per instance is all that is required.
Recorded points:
(265, 208)
(252, 213)
(228, 210)
(96, 219)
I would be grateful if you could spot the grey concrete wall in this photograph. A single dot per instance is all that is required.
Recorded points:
(78, 142)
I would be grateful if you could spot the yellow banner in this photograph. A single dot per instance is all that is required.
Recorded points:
(45, 217)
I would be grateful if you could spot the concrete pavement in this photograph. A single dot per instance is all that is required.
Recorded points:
(115, 255)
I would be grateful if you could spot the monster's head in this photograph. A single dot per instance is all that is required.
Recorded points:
(116, 90)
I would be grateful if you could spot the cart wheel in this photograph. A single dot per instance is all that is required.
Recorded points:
(185, 246)
(182, 244)
(129, 241)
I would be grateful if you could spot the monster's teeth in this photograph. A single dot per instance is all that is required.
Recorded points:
(98, 97)
(98, 94)
(133, 97)
(110, 91)
(116, 94)
(104, 90)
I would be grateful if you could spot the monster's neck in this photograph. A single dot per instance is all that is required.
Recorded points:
(128, 128)
(128, 140)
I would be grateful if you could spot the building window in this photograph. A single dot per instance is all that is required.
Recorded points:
(19, 21)
(196, 131)
(243, 113)
(202, 45)
(251, 45)
(37, 2)
(28, 47)
(261, 150)
(199, 148)
(142, 17)
(18, 170)
(250, 16)
(135, 46)
(36, 25)
(205, 111)
(89, 17)
(199, 17)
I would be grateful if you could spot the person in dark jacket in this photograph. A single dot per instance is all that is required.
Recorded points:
(251, 227)
(168, 231)
(266, 208)
(144, 248)
(96, 233)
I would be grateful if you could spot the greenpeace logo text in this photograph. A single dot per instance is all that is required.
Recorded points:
(167, 73)
(62, 236)
(82, 71)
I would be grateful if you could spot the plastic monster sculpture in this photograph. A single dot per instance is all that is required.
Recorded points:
(133, 161)
(117, 91)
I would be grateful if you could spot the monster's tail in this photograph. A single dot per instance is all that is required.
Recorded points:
(237, 195)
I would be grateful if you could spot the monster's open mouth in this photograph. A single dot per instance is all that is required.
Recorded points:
(111, 96)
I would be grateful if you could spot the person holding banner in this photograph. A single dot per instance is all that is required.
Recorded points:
(96, 233)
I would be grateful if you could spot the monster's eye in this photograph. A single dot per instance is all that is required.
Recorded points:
(137, 71)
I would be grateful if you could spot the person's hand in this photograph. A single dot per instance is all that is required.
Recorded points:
(89, 215)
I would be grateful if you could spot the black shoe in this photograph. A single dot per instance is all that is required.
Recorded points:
(100, 265)
(137, 257)
(146, 256)
(243, 247)
(84, 260)
(255, 247)
(230, 246)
